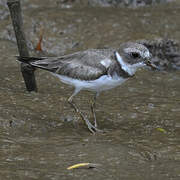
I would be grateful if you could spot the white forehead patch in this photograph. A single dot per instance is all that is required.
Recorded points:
(147, 54)
(106, 62)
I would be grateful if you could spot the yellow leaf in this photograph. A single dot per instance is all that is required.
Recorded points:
(79, 165)
(161, 130)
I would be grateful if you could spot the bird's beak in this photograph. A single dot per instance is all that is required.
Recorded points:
(152, 66)
(149, 63)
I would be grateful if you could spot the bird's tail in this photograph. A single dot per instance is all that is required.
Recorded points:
(28, 60)
(40, 62)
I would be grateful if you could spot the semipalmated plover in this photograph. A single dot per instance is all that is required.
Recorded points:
(94, 70)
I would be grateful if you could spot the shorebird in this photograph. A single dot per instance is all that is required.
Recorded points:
(95, 70)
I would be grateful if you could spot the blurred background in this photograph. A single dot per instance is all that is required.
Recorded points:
(40, 135)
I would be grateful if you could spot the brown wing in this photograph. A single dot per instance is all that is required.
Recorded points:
(84, 65)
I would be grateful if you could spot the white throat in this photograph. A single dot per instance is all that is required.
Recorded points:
(129, 68)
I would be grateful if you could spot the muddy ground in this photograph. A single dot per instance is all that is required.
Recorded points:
(40, 136)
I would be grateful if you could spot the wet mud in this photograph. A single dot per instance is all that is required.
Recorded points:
(40, 135)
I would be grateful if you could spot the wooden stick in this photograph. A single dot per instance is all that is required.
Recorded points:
(27, 70)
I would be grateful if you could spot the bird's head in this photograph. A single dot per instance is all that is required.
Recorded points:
(132, 56)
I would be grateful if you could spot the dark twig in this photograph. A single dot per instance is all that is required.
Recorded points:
(27, 70)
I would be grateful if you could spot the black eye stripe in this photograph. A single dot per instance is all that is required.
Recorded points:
(135, 54)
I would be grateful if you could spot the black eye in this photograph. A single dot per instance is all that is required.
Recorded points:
(135, 55)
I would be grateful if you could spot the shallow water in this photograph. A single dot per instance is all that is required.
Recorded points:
(141, 118)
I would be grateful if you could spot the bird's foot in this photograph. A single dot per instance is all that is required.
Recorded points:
(91, 127)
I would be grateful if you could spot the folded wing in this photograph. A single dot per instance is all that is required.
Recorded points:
(86, 65)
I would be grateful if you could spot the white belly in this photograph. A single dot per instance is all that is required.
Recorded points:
(103, 83)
